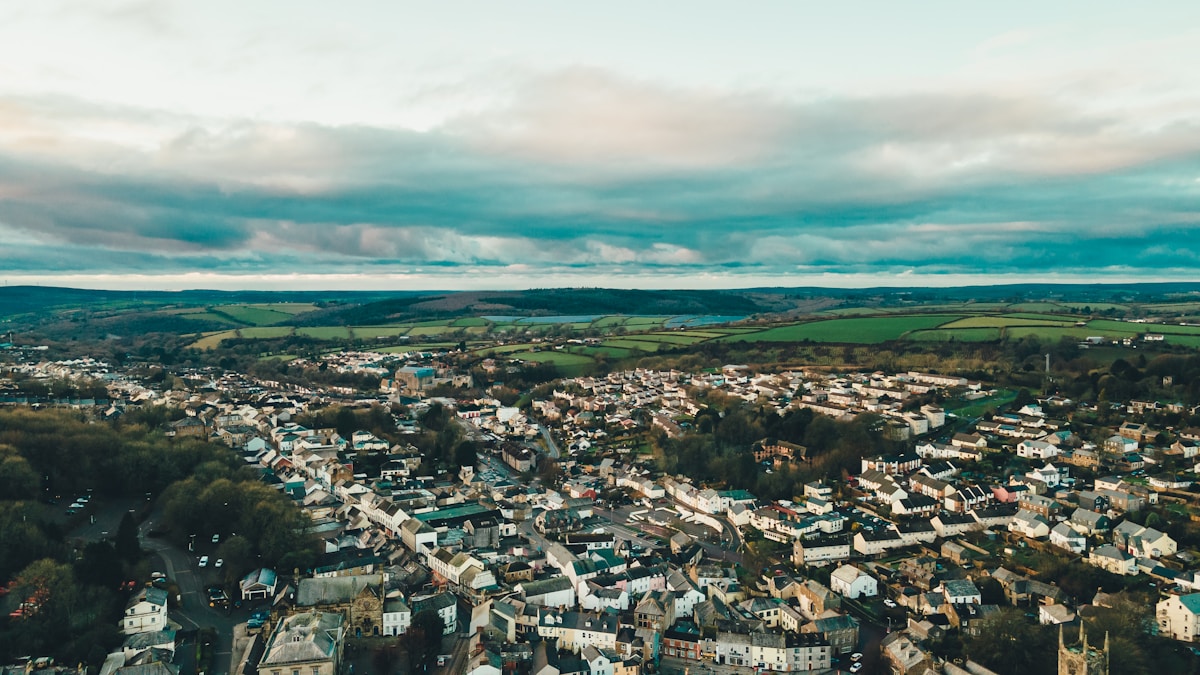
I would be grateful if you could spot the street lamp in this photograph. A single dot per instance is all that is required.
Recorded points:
(192, 543)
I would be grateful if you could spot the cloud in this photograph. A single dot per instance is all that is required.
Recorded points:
(584, 173)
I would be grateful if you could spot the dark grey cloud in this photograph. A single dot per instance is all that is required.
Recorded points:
(585, 172)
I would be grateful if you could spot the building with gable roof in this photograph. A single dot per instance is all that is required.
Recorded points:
(310, 643)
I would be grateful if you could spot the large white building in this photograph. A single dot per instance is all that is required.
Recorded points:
(1179, 617)
(145, 612)
(853, 583)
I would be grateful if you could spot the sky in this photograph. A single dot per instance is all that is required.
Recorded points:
(473, 145)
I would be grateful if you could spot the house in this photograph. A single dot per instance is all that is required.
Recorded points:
(1144, 542)
(444, 604)
(259, 584)
(146, 612)
(309, 643)
(1030, 524)
(1179, 617)
(819, 552)
(1063, 536)
(853, 583)
(553, 592)
(840, 629)
(961, 591)
(1089, 522)
(397, 616)
(1113, 559)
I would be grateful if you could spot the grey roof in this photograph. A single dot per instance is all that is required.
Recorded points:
(333, 590)
(312, 636)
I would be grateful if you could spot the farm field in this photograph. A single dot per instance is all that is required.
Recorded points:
(1000, 322)
(868, 330)
(632, 344)
(322, 332)
(982, 334)
(254, 316)
(372, 332)
(205, 315)
(1128, 327)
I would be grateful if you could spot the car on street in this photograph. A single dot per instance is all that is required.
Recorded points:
(889, 602)
(216, 538)
(856, 667)
(204, 561)
(856, 656)
(220, 561)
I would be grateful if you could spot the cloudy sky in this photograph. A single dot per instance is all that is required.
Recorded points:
(296, 144)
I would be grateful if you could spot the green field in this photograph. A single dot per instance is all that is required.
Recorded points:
(324, 332)
(609, 321)
(1056, 333)
(1000, 322)
(955, 335)
(672, 338)
(372, 332)
(868, 330)
(204, 315)
(1099, 306)
(1127, 327)
(430, 330)
(853, 311)
(255, 316)
(632, 344)
(469, 321)
(646, 320)
(1185, 340)
(568, 364)
(1036, 307)
(1033, 316)
(608, 351)
(266, 332)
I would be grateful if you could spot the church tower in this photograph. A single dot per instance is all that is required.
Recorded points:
(1081, 659)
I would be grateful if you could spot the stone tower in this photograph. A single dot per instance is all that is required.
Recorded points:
(1081, 659)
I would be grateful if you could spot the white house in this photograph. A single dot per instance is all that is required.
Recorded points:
(145, 612)
(853, 583)
(1179, 617)
(397, 616)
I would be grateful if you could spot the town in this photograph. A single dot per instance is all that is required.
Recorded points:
(552, 539)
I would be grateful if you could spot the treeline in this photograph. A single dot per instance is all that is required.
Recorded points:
(718, 447)
(49, 454)
(57, 453)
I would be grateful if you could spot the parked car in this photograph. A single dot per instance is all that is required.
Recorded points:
(216, 538)
(204, 561)
(220, 561)
(856, 656)
(856, 667)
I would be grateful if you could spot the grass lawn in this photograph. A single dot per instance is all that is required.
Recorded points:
(868, 330)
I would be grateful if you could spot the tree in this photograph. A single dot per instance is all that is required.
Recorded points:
(465, 454)
(424, 638)
(127, 546)
(1010, 645)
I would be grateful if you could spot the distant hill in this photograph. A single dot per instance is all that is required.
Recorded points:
(82, 313)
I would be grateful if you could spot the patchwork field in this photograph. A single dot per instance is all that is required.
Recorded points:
(867, 330)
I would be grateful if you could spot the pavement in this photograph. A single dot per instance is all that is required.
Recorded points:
(192, 612)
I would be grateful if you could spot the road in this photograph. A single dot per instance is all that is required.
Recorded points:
(193, 612)
(551, 446)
